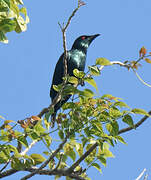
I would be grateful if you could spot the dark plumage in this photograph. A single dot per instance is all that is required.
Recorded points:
(76, 58)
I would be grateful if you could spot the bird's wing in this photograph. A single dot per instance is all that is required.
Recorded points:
(58, 74)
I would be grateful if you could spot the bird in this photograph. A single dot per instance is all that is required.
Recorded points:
(76, 59)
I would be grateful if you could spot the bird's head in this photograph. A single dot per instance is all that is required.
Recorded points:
(83, 42)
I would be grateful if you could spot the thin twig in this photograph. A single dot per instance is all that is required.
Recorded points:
(63, 29)
(5, 166)
(61, 156)
(29, 147)
(116, 63)
(140, 176)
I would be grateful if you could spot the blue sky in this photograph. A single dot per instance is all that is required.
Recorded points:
(28, 61)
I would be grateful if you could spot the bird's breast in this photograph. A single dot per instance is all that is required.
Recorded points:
(77, 60)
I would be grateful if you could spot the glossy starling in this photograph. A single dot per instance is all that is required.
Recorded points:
(76, 58)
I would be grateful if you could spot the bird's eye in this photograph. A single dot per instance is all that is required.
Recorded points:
(83, 37)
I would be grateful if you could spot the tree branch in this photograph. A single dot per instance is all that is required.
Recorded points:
(48, 160)
(136, 125)
(61, 172)
(8, 173)
(74, 165)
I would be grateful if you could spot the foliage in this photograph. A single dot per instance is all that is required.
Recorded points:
(87, 126)
(87, 120)
(13, 17)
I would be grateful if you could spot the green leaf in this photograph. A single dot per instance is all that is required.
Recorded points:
(115, 128)
(7, 25)
(38, 159)
(140, 111)
(102, 160)
(39, 129)
(4, 135)
(128, 120)
(14, 8)
(69, 89)
(79, 74)
(68, 178)
(68, 105)
(68, 149)
(23, 141)
(61, 134)
(3, 38)
(8, 121)
(88, 93)
(47, 115)
(47, 124)
(121, 139)
(6, 3)
(16, 164)
(102, 61)
(115, 113)
(148, 60)
(46, 153)
(92, 82)
(3, 158)
(20, 2)
(72, 155)
(73, 80)
(57, 87)
(109, 127)
(109, 96)
(106, 152)
(57, 177)
(48, 140)
(121, 104)
(79, 149)
(94, 70)
(97, 166)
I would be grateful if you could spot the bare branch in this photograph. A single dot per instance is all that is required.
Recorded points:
(48, 160)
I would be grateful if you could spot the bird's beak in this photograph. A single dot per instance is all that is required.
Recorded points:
(93, 37)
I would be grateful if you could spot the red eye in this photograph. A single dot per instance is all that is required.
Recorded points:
(83, 37)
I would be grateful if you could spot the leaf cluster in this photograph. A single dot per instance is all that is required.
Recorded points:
(13, 17)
